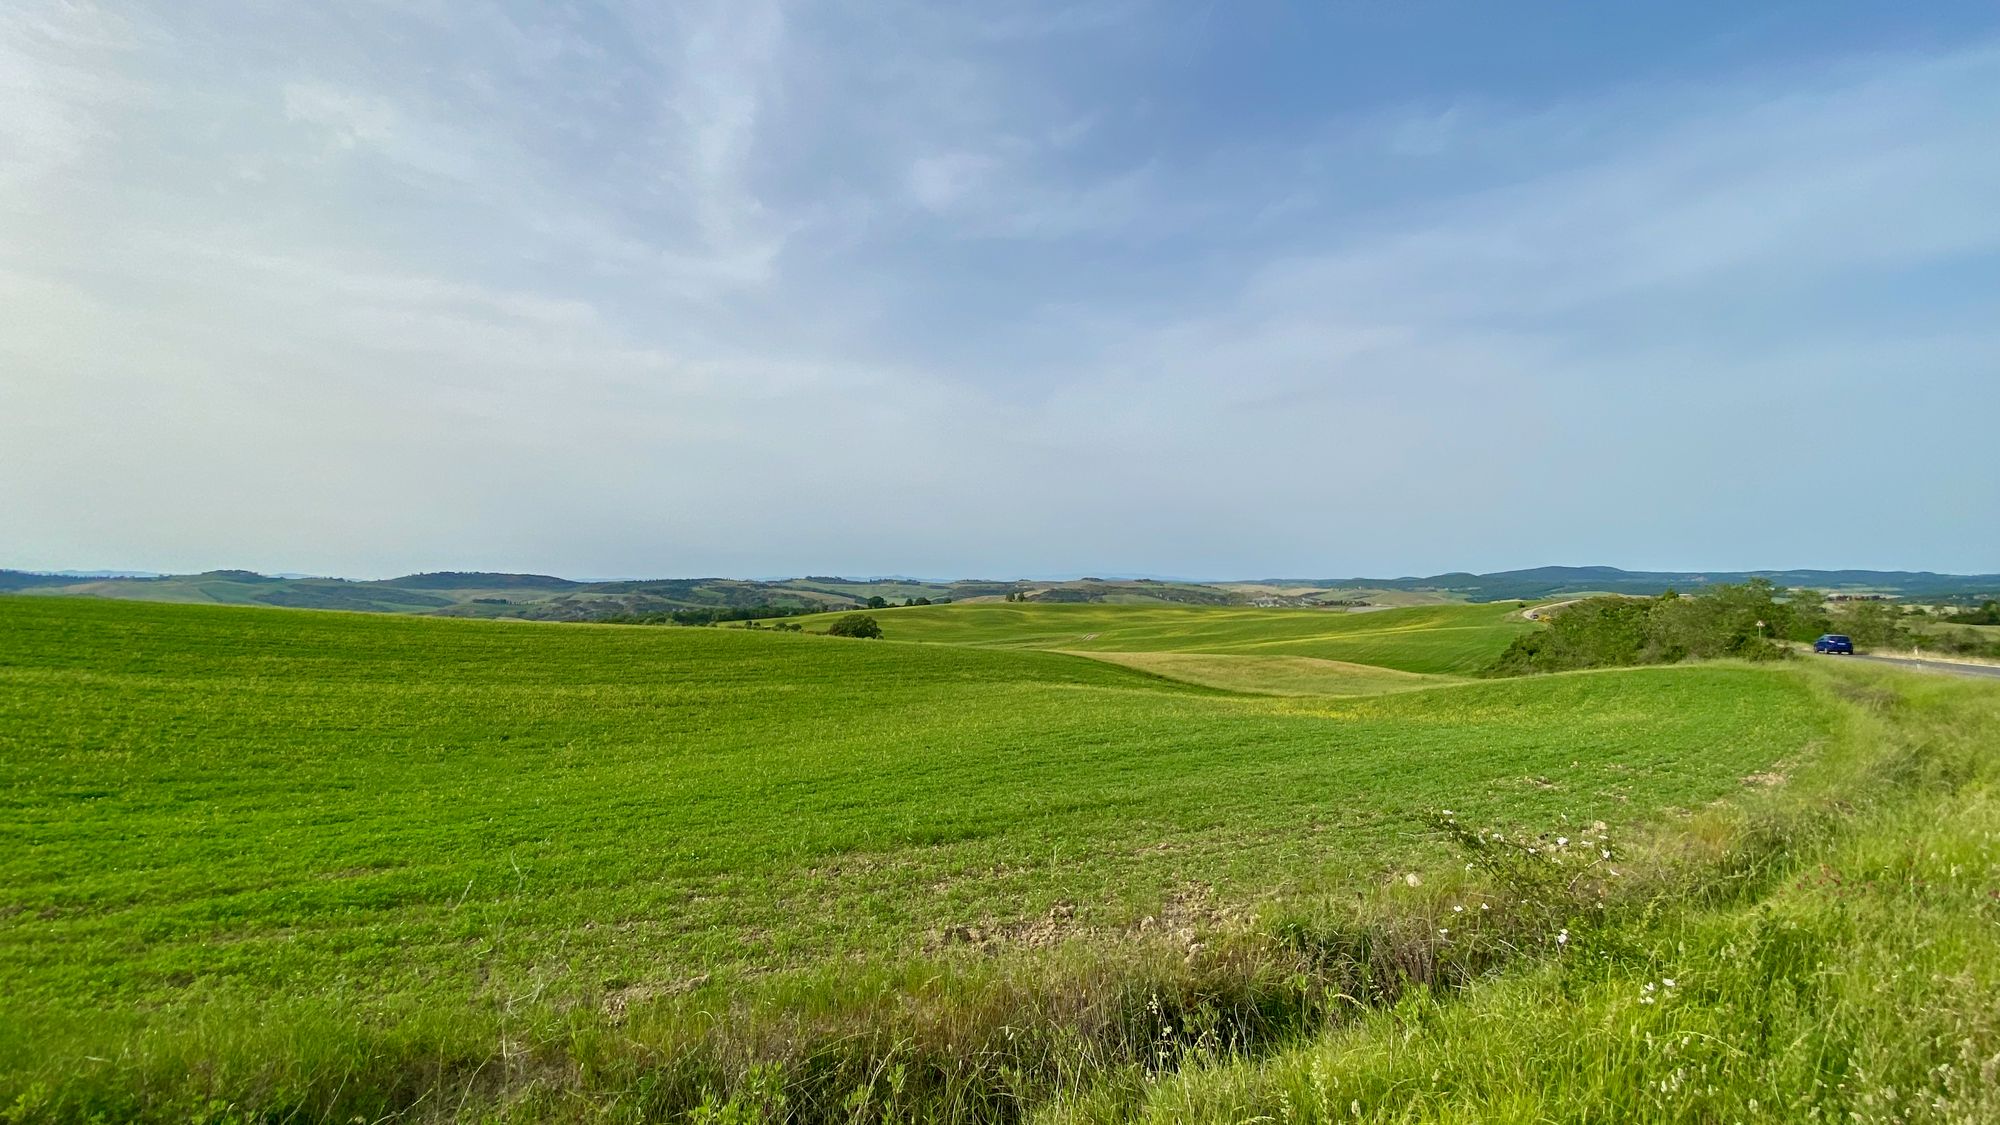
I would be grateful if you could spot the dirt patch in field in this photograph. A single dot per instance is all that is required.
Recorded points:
(1034, 933)
(1190, 913)
(621, 999)
(1188, 919)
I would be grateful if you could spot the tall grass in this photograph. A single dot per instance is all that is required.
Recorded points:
(1835, 959)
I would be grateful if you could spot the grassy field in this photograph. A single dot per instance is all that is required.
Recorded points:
(1838, 959)
(1437, 639)
(312, 866)
(305, 790)
(1272, 675)
(217, 808)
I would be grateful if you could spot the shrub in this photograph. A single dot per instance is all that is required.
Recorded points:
(1987, 614)
(1872, 623)
(1617, 631)
(855, 625)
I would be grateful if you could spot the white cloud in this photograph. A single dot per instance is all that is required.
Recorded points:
(349, 120)
(939, 182)
(726, 69)
(50, 96)
(742, 287)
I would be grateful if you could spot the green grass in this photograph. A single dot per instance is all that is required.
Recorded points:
(234, 831)
(255, 795)
(267, 864)
(1439, 639)
(1272, 675)
(1844, 965)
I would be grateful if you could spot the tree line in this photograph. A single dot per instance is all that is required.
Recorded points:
(1748, 621)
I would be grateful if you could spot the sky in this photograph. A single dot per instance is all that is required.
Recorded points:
(1106, 287)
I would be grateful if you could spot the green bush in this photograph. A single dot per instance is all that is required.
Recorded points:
(855, 625)
(1616, 631)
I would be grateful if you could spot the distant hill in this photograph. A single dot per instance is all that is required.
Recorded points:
(461, 579)
(29, 580)
(543, 597)
(1545, 581)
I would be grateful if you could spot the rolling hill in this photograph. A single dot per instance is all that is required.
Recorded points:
(539, 597)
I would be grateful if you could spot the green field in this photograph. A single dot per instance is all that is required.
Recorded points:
(1838, 960)
(306, 789)
(1437, 639)
(434, 848)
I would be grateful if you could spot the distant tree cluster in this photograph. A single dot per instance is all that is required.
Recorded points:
(1987, 614)
(708, 615)
(855, 625)
(1745, 621)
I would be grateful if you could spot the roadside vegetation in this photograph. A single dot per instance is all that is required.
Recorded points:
(313, 867)
(1832, 954)
(1745, 622)
(1754, 621)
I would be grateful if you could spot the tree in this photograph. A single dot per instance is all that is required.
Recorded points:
(855, 625)
(878, 602)
(1877, 624)
(1614, 630)
(1808, 615)
(1987, 614)
(923, 601)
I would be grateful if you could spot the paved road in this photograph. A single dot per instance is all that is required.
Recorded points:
(1534, 612)
(1988, 670)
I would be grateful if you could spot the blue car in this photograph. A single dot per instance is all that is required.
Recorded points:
(1834, 644)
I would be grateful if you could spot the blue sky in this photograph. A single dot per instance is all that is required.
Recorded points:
(1215, 290)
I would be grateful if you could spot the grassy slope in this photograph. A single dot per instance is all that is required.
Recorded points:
(1841, 964)
(402, 815)
(1272, 675)
(1444, 639)
(1371, 594)
(1987, 633)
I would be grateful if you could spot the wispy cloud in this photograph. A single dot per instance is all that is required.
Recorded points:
(743, 285)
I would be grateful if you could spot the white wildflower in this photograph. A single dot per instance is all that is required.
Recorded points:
(1457, 909)
(1562, 841)
(1562, 938)
(1412, 880)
